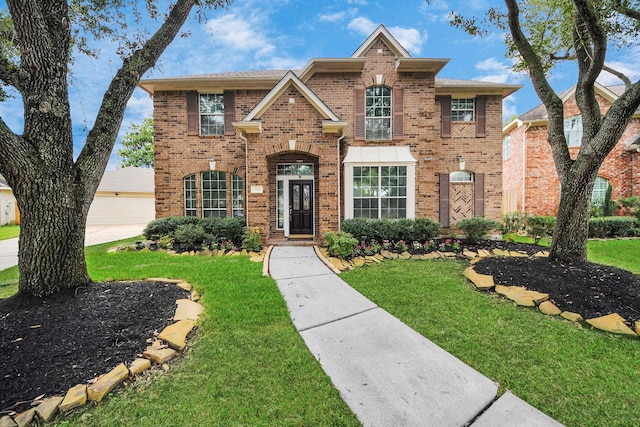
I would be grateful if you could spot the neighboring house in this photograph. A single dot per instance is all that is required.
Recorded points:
(9, 212)
(530, 182)
(375, 135)
(124, 196)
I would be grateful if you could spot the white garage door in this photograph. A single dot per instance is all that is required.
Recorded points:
(121, 209)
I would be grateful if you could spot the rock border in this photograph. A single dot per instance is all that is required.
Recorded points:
(613, 323)
(163, 348)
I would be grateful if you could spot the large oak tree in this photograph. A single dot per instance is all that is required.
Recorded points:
(540, 33)
(54, 190)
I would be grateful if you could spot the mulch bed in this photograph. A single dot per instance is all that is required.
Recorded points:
(51, 344)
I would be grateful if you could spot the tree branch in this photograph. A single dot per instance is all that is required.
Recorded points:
(626, 10)
(618, 74)
(550, 99)
(94, 156)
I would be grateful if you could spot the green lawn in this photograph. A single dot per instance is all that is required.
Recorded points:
(9, 231)
(247, 366)
(577, 376)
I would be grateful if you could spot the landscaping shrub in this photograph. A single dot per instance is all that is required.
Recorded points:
(252, 239)
(391, 229)
(513, 223)
(424, 229)
(163, 227)
(188, 235)
(340, 243)
(476, 229)
(228, 228)
(613, 226)
(539, 227)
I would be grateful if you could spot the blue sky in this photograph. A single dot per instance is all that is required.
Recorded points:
(286, 34)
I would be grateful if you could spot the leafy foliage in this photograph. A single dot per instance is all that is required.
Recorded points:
(477, 229)
(138, 145)
(418, 229)
(340, 244)
(213, 229)
(541, 226)
(613, 226)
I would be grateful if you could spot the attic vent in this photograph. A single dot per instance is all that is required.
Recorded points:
(380, 51)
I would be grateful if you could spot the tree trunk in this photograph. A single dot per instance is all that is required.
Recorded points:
(52, 230)
(572, 222)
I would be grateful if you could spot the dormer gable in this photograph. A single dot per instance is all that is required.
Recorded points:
(381, 33)
(252, 122)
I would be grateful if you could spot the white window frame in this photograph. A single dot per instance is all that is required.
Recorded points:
(458, 177)
(411, 186)
(463, 109)
(237, 196)
(506, 147)
(573, 130)
(190, 195)
(600, 187)
(217, 115)
(219, 211)
(381, 118)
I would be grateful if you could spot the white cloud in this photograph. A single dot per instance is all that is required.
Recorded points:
(358, 2)
(496, 71)
(338, 16)
(240, 33)
(630, 68)
(410, 38)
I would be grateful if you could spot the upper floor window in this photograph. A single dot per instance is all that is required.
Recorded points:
(211, 114)
(573, 131)
(378, 113)
(462, 109)
(506, 147)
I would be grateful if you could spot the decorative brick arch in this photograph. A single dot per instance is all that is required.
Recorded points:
(285, 147)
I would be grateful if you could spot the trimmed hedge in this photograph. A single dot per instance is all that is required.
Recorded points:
(215, 228)
(477, 229)
(614, 226)
(409, 230)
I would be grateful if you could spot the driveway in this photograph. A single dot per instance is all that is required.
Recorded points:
(95, 234)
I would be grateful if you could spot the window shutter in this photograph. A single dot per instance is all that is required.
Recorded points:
(359, 122)
(445, 117)
(193, 113)
(481, 116)
(398, 113)
(444, 200)
(229, 112)
(478, 194)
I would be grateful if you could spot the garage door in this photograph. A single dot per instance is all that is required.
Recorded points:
(121, 209)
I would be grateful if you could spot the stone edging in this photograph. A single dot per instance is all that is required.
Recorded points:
(163, 348)
(521, 296)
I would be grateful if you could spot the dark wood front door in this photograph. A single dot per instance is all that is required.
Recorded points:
(300, 207)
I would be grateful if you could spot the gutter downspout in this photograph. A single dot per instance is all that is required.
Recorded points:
(340, 138)
(246, 177)
(524, 168)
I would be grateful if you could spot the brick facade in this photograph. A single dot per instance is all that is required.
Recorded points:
(530, 177)
(291, 132)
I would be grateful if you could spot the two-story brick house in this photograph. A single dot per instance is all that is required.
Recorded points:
(374, 135)
(530, 182)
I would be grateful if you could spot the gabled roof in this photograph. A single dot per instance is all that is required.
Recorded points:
(382, 33)
(128, 180)
(473, 87)
(539, 114)
(251, 123)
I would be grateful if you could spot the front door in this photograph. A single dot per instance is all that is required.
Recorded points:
(300, 207)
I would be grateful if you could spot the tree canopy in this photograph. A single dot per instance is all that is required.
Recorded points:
(138, 145)
(539, 34)
(38, 42)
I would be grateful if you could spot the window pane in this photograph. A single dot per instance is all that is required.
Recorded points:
(214, 194)
(462, 109)
(211, 114)
(573, 131)
(378, 113)
(190, 195)
(280, 213)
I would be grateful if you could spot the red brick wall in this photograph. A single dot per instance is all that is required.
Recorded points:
(542, 187)
(178, 154)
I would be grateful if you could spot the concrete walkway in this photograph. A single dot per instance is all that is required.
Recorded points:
(94, 235)
(386, 372)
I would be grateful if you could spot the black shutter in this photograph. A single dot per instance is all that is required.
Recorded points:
(481, 116)
(398, 114)
(444, 200)
(359, 122)
(193, 113)
(445, 117)
(229, 112)
(478, 194)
